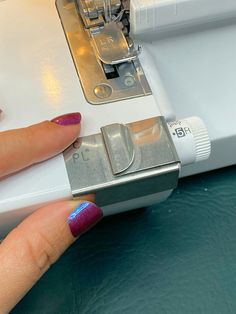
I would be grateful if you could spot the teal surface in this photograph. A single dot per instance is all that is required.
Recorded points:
(176, 257)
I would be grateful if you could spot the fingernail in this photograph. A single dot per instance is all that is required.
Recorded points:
(83, 218)
(68, 119)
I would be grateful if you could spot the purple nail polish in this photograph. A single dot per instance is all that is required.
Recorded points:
(68, 119)
(83, 218)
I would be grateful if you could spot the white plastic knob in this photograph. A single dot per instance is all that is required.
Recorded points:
(191, 140)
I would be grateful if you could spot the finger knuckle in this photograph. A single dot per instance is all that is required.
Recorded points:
(40, 251)
(44, 253)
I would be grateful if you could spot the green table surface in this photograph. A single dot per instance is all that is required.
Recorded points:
(174, 257)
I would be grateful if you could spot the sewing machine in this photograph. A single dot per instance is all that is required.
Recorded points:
(136, 70)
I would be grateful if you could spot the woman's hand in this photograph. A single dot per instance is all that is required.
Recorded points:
(29, 250)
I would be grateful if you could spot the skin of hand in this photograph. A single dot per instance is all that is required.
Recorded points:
(35, 244)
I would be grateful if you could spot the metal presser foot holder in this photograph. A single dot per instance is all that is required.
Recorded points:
(104, 55)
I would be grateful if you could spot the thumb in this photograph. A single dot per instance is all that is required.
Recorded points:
(29, 250)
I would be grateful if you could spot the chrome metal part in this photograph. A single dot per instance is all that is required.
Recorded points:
(107, 10)
(93, 9)
(109, 41)
(123, 162)
(111, 46)
(119, 145)
(105, 60)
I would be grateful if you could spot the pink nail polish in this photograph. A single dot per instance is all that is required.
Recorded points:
(68, 119)
(83, 218)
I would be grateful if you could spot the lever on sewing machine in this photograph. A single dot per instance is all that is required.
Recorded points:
(108, 26)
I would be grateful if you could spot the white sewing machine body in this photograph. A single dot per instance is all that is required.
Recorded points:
(38, 81)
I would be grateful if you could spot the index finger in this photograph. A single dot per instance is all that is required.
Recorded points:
(23, 147)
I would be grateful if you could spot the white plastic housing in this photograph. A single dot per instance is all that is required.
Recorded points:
(149, 16)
